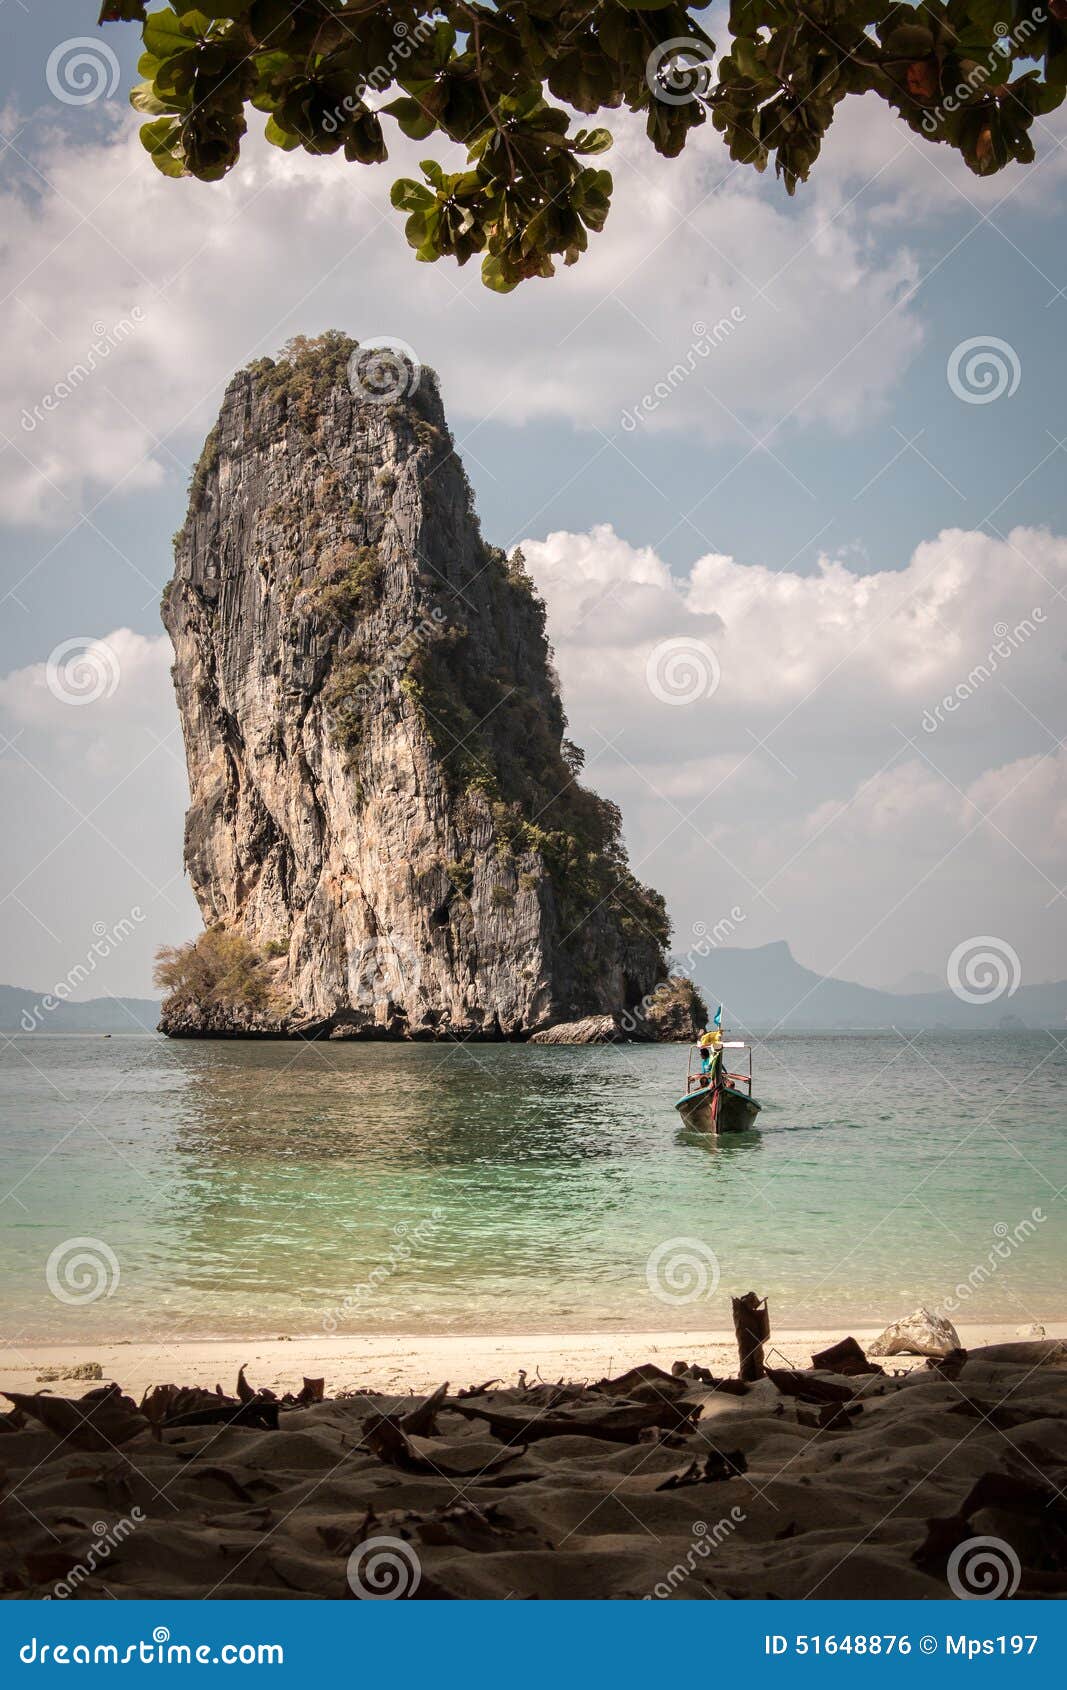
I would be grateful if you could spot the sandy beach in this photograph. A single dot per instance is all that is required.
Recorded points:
(627, 1482)
(420, 1363)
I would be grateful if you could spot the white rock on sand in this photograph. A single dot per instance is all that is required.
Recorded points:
(73, 1371)
(918, 1334)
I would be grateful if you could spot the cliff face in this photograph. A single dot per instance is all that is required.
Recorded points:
(383, 804)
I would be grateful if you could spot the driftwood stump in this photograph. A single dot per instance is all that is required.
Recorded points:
(752, 1326)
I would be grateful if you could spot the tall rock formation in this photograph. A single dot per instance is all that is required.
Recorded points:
(386, 836)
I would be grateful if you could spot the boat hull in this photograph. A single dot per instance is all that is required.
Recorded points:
(720, 1109)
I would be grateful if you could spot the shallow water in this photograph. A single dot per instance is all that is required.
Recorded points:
(272, 1188)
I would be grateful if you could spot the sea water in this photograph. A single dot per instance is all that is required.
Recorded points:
(168, 1188)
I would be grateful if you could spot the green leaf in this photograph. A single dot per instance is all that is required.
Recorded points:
(194, 19)
(493, 276)
(413, 120)
(162, 140)
(407, 195)
(164, 35)
(593, 141)
(143, 98)
(746, 57)
(522, 197)
(279, 137)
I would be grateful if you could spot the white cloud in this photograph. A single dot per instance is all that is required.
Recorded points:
(902, 176)
(92, 781)
(890, 642)
(211, 276)
(825, 781)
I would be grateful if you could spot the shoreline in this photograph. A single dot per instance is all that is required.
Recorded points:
(419, 1363)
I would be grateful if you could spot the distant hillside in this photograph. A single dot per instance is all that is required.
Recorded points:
(38, 1012)
(766, 987)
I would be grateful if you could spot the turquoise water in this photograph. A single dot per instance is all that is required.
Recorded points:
(263, 1189)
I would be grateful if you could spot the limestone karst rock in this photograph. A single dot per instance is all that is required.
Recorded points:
(385, 827)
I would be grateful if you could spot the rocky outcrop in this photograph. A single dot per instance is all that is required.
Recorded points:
(674, 1013)
(591, 1030)
(383, 801)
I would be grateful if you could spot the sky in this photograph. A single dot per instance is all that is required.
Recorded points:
(764, 572)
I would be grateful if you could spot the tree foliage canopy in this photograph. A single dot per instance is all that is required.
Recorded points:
(216, 970)
(504, 82)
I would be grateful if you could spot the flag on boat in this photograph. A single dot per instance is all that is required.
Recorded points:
(718, 1017)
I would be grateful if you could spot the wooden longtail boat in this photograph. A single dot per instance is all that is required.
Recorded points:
(719, 1101)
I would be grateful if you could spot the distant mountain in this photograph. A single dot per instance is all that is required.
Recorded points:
(917, 982)
(39, 1012)
(766, 987)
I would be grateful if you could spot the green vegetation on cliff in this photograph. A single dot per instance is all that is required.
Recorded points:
(497, 733)
(218, 972)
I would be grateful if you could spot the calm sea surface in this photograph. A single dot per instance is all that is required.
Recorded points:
(262, 1189)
